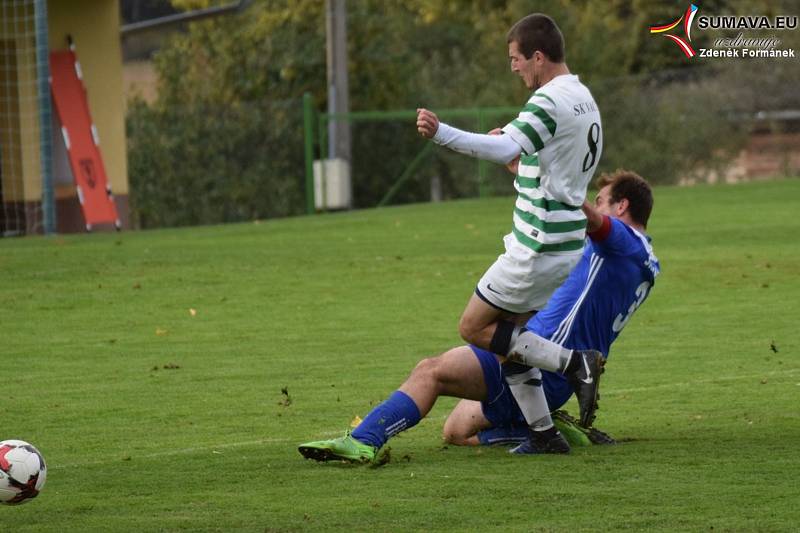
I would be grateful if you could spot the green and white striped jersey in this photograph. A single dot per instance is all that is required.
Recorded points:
(559, 130)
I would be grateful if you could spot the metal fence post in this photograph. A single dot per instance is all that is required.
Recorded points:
(45, 111)
(308, 130)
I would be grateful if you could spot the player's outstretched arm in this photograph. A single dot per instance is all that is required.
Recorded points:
(593, 216)
(513, 165)
(501, 149)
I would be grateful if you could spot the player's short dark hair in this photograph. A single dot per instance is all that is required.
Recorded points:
(538, 32)
(632, 187)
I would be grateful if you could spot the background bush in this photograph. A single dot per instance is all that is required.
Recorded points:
(224, 141)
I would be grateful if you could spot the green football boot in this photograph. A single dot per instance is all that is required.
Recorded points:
(578, 435)
(342, 449)
(571, 432)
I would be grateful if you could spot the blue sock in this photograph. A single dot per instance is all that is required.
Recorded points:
(396, 414)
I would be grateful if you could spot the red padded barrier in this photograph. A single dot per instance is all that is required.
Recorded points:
(81, 140)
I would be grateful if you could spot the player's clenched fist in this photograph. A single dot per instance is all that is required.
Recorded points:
(427, 123)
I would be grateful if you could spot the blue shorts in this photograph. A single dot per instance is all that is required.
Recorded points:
(499, 407)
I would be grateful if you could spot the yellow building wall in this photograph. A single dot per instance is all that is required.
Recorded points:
(19, 131)
(94, 26)
(29, 137)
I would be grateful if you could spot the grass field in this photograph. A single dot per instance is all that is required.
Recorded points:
(156, 417)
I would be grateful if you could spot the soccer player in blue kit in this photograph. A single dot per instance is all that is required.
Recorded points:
(615, 275)
(588, 311)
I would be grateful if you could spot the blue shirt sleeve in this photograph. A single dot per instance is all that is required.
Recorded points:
(620, 240)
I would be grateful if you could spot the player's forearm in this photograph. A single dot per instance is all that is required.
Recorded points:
(593, 217)
(499, 149)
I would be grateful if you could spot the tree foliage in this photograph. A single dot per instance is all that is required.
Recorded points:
(224, 140)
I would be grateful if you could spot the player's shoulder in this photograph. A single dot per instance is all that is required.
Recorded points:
(627, 244)
(621, 235)
(643, 247)
(562, 86)
(543, 96)
(637, 238)
(560, 94)
(642, 239)
(544, 101)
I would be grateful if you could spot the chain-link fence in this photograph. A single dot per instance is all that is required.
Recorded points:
(24, 119)
(212, 164)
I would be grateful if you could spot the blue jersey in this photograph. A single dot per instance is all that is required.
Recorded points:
(602, 292)
(588, 311)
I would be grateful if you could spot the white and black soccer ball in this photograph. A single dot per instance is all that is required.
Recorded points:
(22, 472)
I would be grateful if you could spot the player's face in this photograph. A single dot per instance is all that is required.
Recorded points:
(523, 67)
(606, 206)
(603, 201)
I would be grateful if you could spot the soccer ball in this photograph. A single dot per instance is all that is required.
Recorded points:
(22, 472)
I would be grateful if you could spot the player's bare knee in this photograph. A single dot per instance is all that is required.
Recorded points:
(426, 369)
(450, 438)
(451, 435)
(448, 435)
(467, 329)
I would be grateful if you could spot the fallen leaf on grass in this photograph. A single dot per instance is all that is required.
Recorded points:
(287, 400)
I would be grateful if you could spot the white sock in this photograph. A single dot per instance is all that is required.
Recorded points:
(530, 349)
(527, 391)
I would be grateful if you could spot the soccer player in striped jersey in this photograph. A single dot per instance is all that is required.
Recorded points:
(555, 143)
(615, 275)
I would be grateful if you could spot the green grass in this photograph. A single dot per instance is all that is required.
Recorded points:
(339, 308)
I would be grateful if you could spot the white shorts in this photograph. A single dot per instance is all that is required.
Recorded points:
(520, 284)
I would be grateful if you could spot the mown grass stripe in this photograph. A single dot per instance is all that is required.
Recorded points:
(90, 383)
